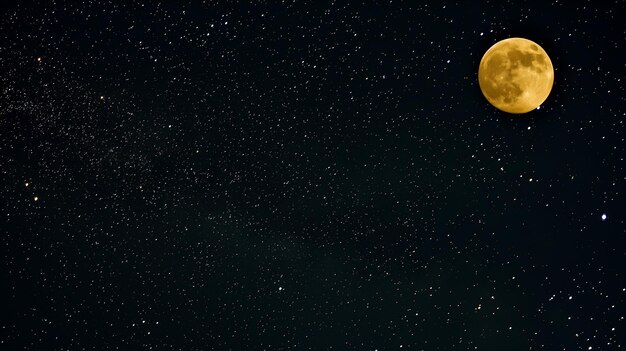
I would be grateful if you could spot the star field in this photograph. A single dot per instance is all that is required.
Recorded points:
(307, 176)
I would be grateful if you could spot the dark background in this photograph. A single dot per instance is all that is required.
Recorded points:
(307, 176)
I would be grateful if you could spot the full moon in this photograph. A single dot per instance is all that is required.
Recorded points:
(516, 75)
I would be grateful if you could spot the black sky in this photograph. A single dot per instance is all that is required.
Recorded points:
(307, 176)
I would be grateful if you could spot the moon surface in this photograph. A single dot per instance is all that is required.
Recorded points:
(516, 75)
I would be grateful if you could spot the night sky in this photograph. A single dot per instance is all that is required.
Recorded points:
(308, 176)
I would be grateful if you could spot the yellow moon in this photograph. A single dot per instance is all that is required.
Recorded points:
(516, 75)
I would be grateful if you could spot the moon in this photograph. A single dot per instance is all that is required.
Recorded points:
(516, 75)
